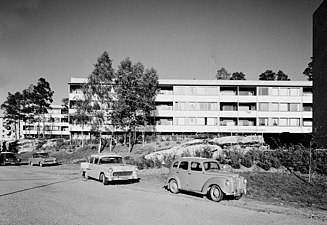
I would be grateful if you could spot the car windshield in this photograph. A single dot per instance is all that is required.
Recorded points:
(43, 155)
(10, 156)
(211, 166)
(109, 160)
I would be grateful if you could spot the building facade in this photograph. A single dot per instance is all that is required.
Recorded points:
(224, 107)
(56, 125)
(320, 74)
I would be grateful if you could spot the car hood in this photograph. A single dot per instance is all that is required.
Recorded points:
(120, 167)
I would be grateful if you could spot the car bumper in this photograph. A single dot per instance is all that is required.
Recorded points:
(237, 192)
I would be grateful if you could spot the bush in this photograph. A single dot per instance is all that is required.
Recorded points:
(168, 159)
(246, 161)
(235, 159)
(264, 165)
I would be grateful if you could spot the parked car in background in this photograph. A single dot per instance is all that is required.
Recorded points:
(42, 159)
(8, 158)
(204, 176)
(107, 168)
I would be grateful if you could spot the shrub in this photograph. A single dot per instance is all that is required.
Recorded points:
(246, 161)
(168, 159)
(186, 154)
(264, 165)
(235, 160)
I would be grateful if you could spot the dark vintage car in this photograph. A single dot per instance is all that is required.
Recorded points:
(41, 159)
(204, 176)
(8, 158)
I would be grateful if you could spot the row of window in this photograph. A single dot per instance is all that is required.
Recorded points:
(262, 121)
(214, 91)
(262, 106)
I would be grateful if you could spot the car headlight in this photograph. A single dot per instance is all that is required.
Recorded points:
(110, 170)
(227, 182)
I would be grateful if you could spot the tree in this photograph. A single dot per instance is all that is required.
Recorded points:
(268, 75)
(281, 76)
(65, 105)
(238, 76)
(135, 92)
(222, 74)
(98, 94)
(81, 116)
(28, 106)
(12, 109)
(41, 98)
(308, 71)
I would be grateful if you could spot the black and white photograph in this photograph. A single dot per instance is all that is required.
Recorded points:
(178, 112)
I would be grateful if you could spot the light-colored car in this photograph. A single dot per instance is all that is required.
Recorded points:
(204, 176)
(108, 167)
(42, 159)
(8, 158)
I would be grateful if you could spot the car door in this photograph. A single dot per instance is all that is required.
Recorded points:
(196, 176)
(182, 174)
(90, 171)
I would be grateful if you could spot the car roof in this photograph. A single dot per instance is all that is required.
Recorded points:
(105, 154)
(7, 152)
(198, 159)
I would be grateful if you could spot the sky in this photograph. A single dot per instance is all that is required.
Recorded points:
(181, 39)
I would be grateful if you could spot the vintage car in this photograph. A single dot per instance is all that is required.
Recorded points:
(42, 159)
(107, 168)
(8, 158)
(204, 176)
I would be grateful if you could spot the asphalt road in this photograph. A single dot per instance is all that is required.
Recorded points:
(55, 195)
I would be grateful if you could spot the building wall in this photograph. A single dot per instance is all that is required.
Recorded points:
(320, 74)
(246, 107)
(56, 125)
(225, 106)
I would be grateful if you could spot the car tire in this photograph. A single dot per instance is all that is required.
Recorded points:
(238, 197)
(173, 186)
(215, 193)
(103, 179)
(86, 176)
(31, 163)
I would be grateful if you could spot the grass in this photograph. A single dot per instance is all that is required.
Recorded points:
(287, 188)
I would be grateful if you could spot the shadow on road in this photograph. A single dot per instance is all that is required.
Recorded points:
(40, 186)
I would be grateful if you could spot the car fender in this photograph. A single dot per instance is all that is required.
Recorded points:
(175, 178)
(218, 181)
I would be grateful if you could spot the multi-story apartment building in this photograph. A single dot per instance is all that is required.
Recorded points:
(226, 106)
(55, 126)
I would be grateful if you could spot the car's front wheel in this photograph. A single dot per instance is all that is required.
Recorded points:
(215, 193)
(173, 186)
(103, 179)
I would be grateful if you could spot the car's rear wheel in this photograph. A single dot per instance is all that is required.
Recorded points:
(215, 193)
(103, 179)
(173, 186)
(238, 197)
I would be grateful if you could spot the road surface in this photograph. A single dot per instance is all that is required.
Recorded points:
(57, 195)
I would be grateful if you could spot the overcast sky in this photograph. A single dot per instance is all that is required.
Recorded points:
(181, 39)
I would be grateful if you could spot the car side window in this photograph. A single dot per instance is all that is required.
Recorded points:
(175, 165)
(96, 160)
(183, 165)
(195, 166)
